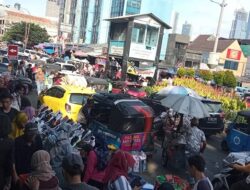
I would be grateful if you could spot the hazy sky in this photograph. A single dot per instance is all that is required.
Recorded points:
(202, 14)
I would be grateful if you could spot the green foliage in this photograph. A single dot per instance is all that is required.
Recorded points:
(206, 75)
(229, 80)
(181, 72)
(17, 32)
(190, 72)
(218, 77)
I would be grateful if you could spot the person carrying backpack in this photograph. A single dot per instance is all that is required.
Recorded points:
(94, 172)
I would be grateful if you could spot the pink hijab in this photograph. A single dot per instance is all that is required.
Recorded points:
(30, 112)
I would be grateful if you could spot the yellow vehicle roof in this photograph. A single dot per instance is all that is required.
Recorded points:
(76, 89)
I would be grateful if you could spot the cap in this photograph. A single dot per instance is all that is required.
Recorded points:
(72, 161)
(30, 128)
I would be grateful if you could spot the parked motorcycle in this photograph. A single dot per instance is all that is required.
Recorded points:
(228, 176)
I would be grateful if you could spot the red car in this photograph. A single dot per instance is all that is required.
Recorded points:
(131, 88)
(247, 101)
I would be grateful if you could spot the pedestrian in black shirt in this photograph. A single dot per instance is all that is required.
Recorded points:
(25, 146)
(6, 153)
(29, 72)
(6, 100)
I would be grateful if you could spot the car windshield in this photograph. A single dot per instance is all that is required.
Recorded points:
(69, 68)
(79, 99)
(213, 107)
(135, 88)
(3, 68)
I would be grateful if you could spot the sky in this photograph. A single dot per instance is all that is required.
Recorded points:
(202, 14)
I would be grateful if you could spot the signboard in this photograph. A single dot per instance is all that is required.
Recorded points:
(147, 72)
(233, 54)
(116, 50)
(132, 142)
(116, 47)
(141, 51)
(12, 52)
(143, 72)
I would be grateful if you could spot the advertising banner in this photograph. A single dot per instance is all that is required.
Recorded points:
(132, 142)
(143, 72)
(233, 54)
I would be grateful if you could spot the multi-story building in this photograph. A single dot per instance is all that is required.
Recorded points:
(66, 19)
(176, 49)
(239, 25)
(248, 27)
(186, 29)
(86, 18)
(9, 16)
(89, 20)
(125, 7)
(52, 8)
(162, 9)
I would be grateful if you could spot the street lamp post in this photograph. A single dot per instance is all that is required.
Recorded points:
(222, 5)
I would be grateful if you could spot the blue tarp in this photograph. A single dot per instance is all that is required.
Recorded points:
(49, 51)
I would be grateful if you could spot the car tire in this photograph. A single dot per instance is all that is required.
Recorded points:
(224, 146)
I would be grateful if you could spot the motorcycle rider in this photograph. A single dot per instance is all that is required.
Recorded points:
(245, 183)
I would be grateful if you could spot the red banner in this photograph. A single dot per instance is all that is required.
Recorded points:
(233, 54)
(132, 142)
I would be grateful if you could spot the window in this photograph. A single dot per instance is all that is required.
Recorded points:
(79, 99)
(152, 36)
(212, 107)
(138, 33)
(68, 68)
(55, 92)
(232, 65)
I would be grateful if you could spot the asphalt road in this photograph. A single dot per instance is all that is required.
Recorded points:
(213, 155)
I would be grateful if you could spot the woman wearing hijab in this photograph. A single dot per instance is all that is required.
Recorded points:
(116, 176)
(27, 108)
(18, 125)
(42, 176)
(6, 153)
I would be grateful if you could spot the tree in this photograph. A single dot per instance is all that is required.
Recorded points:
(190, 72)
(181, 72)
(218, 77)
(37, 34)
(206, 75)
(229, 80)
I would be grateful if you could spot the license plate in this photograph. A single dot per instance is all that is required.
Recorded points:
(212, 119)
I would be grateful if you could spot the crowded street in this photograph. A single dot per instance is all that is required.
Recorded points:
(116, 95)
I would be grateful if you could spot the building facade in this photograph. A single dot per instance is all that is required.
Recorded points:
(89, 25)
(186, 29)
(230, 55)
(248, 27)
(239, 25)
(52, 8)
(162, 9)
(125, 7)
(9, 16)
(176, 49)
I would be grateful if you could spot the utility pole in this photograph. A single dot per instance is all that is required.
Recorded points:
(61, 10)
(222, 5)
